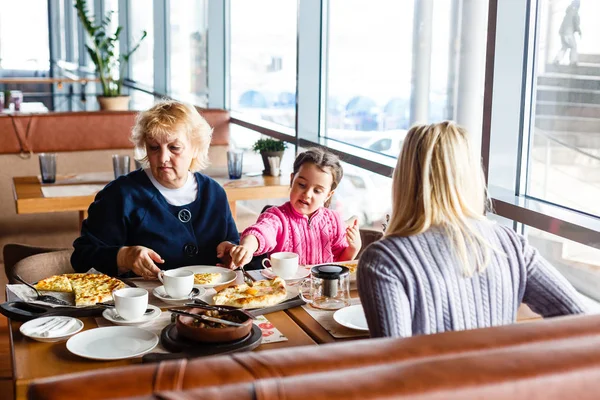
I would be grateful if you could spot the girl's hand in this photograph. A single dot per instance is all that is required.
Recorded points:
(353, 236)
(139, 259)
(240, 255)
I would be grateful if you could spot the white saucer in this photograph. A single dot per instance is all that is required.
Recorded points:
(114, 317)
(160, 293)
(112, 343)
(352, 317)
(300, 274)
(30, 329)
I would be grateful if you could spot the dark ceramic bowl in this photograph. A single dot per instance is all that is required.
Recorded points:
(185, 327)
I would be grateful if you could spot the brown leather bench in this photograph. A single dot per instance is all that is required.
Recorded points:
(85, 142)
(550, 359)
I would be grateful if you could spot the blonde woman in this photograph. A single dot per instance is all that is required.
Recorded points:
(442, 266)
(166, 215)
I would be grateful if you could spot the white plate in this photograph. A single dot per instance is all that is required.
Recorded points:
(113, 316)
(352, 317)
(160, 293)
(227, 275)
(112, 343)
(302, 272)
(29, 329)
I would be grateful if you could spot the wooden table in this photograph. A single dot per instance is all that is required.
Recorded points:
(33, 360)
(29, 198)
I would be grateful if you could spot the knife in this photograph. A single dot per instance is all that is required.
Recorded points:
(284, 305)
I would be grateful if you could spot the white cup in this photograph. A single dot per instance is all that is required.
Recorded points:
(178, 282)
(131, 303)
(283, 264)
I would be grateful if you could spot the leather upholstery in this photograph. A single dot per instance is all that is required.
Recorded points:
(34, 263)
(550, 359)
(80, 131)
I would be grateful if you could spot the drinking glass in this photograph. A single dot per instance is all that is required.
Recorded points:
(48, 167)
(120, 165)
(16, 97)
(234, 163)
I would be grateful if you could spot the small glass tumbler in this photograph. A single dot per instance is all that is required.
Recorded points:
(16, 97)
(235, 159)
(48, 167)
(2, 101)
(120, 165)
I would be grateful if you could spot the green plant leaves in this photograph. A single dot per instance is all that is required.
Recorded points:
(269, 145)
(110, 64)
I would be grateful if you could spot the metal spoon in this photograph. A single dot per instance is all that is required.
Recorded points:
(205, 317)
(195, 292)
(43, 297)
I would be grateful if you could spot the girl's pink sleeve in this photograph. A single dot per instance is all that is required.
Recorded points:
(339, 242)
(268, 230)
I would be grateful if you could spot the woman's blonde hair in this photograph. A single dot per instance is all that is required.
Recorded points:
(438, 181)
(163, 120)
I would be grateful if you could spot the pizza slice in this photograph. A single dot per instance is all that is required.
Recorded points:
(56, 283)
(94, 288)
(262, 294)
(208, 278)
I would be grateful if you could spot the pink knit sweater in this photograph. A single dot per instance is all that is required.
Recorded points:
(320, 239)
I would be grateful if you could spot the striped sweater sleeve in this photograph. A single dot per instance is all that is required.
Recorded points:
(547, 292)
(383, 294)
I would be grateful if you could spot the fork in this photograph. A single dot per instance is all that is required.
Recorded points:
(247, 279)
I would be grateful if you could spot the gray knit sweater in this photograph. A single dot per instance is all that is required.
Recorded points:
(414, 285)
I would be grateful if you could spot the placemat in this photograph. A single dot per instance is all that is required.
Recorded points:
(71, 190)
(325, 319)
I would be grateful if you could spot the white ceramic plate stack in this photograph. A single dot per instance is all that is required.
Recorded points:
(112, 343)
(51, 329)
(352, 317)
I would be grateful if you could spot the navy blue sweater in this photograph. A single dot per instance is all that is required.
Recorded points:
(130, 211)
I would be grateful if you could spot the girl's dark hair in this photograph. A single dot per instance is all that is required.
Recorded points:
(323, 160)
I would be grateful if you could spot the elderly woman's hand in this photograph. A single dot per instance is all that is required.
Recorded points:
(140, 260)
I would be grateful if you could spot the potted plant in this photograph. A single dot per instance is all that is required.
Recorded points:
(269, 148)
(110, 65)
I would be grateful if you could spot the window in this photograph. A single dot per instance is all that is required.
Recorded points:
(263, 60)
(373, 52)
(564, 147)
(142, 61)
(24, 41)
(363, 194)
(578, 263)
(187, 49)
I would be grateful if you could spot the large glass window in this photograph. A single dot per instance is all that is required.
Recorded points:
(24, 35)
(392, 64)
(187, 57)
(564, 159)
(142, 61)
(263, 59)
(578, 263)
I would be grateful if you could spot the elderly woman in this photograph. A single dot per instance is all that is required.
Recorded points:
(166, 215)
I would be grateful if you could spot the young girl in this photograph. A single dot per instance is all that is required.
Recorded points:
(304, 225)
